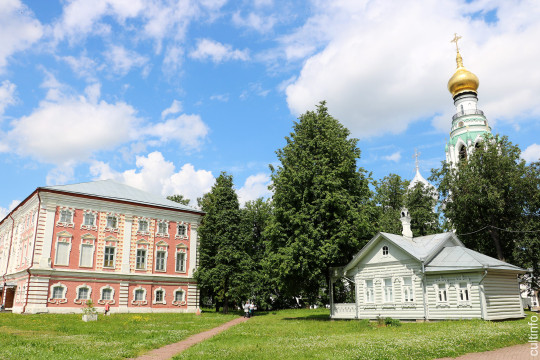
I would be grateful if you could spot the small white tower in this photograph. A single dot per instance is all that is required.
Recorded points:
(406, 222)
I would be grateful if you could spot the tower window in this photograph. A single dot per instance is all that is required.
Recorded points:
(463, 153)
(460, 124)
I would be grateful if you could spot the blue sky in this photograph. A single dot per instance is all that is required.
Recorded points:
(164, 94)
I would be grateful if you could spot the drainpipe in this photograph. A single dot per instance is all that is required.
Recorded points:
(424, 292)
(33, 253)
(481, 293)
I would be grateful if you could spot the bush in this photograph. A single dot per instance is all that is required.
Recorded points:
(392, 322)
(89, 308)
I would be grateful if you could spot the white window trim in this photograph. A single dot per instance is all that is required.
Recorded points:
(66, 223)
(163, 302)
(112, 229)
(183, 301)
(165, 234)
(63, 237)
(148, 225)
(61, 300)
(185, 236)
(464, 303)
(139, 302)
(101, 301)
(114, 257)
(383, 286)
(180, 251)
(90, 227)
(385, 247)
(437, 298)
(411, 293)
(145, 268)
(372, 288)
(82, 301)
(156, 258)
(93, 252)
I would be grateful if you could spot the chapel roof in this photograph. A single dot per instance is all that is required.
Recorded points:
(420, 247)
(455, 258)
(113, 190)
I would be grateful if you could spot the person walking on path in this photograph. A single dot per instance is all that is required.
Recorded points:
(246, 309)
(107, 308)
(251, 309)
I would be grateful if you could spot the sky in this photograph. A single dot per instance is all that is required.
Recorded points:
(164, 95)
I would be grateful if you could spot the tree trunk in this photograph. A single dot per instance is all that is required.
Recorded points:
(217, 306)
(497, 242)
(226, 305)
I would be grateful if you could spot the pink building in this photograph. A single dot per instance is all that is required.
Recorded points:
(103, 241)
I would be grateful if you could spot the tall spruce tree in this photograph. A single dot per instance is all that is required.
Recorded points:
(322, 210)
(390, 197)
(421, 201)
(221, 251)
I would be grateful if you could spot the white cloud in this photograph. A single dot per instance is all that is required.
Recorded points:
(175, 108)
(157, 175)
(217, 52)
(18, 27)
(378, 78)
(7, 95)
(531, 153)
(255, 186)
(220, 97)
(188, 130)
(123, 60)
(260, 23)
(82, 66)
(394, 157)
(68, 129)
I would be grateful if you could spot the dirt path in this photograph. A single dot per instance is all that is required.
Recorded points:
(168, 351)
(516, 352)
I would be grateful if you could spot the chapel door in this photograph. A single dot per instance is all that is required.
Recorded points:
(10, 295)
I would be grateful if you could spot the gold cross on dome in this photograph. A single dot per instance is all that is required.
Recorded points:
(455, 40)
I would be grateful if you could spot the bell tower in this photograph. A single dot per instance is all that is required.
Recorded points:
(469, 123)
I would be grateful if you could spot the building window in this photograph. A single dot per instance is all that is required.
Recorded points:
(141, 259)
(159, 296)
(408, 290)
(160, 260)
(180, 261)
(62, 253)
(58, 292)
(143, 226)
(106, 294)
(89, 219)
(87, 255)
(388, 291)
(181, 230)
(83, 293)
(463, 153)
(385, 250)
(464, 293)
(442, 294)
(179, 295)
(65, 216)
(108, 257)
(112, 222)
(163, 228)
(139, 295)
(369, 292)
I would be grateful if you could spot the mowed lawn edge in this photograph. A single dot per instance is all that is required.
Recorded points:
(119, 336)
(310, 334)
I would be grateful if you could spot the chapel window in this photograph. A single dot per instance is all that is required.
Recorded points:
(463, 153)
(385, 250)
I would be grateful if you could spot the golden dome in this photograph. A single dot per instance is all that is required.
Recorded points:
(462, 80)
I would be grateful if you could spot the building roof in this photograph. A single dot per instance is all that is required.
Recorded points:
(455, 258)
(109, 189)
(420, 247)
(418, 178)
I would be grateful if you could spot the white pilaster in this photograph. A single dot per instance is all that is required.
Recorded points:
(45, 260)
(126, 248)
(193, 249)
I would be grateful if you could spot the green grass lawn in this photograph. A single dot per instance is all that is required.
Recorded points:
(51, 336)
(309, 334)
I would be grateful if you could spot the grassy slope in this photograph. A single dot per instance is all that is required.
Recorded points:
(308, 334)
(48, 336)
